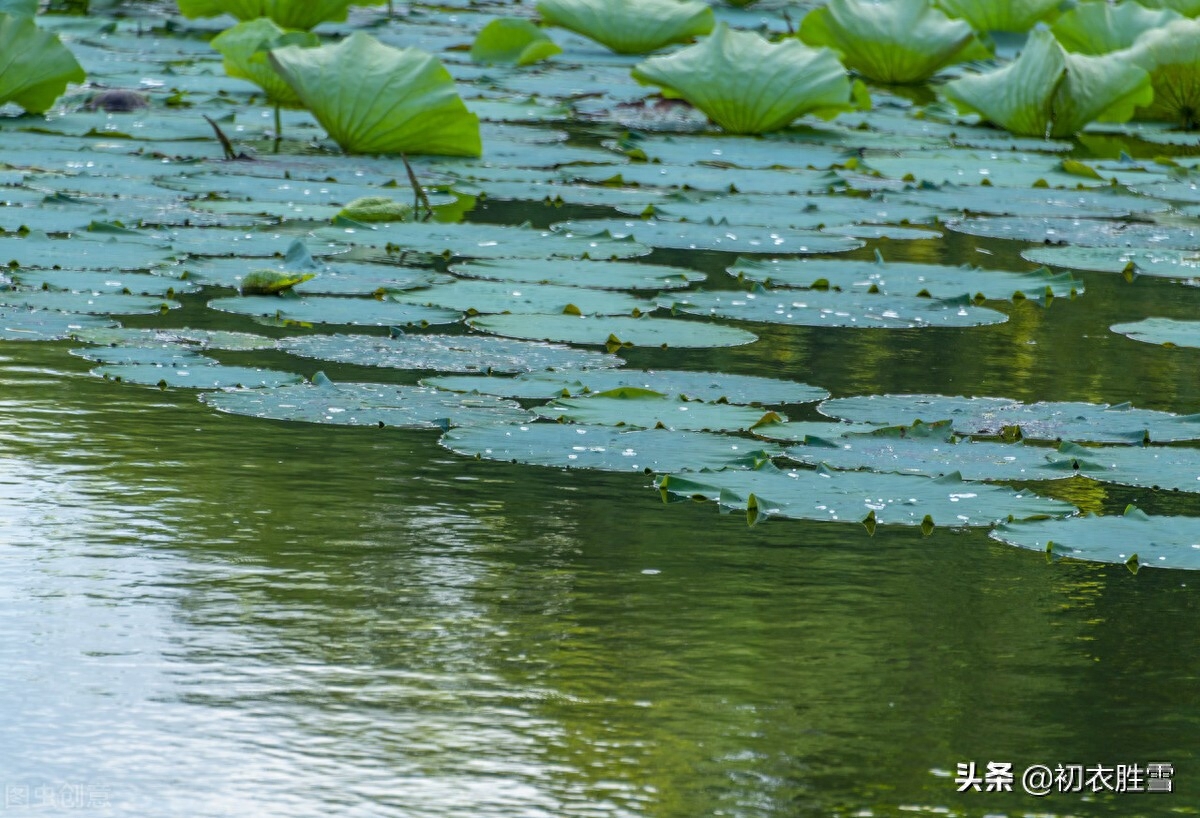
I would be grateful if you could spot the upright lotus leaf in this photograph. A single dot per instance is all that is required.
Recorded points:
(904, 41)
(1172, 57)
(1047, 92)
(298, 14)
(630, 26)
(246, 47)
(1000, 15)
(36, 66)
(19, 8)
(375, 99)
(748, 85)
(1189, 8)
(1098, 27)
(513, 41)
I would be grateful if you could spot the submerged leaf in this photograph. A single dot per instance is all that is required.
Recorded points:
(513, 41)
(748, 85)
(1048, 92)
(373, 98)
(630, 26)
(904, 41)
(36, 66)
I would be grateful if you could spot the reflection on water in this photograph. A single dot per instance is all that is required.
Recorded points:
(207, 615)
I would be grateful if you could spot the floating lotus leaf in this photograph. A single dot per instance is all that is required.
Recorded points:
(1166, 331)
(835, 309)
(512, 41)
(246, 47)
(861, 496)
(958, 166)
(1084, 232)
(300, 14)
(824, 432)
(904, 41)
(644, 409)
(930, 457)
(498, 296)
(905, 278)
(1173, 468)
(748, 85)
(97, 281)
(367, 404)
(163, 355)
(678, 153)
(202, 374)
(1098, 27)
(630, 26)
(712, 387)
(1010, 15)
(1079, 422)
(708, 236)
(181, 338)
(86, 303)
(1171, 55)
(335, 310)
(601, 274)
(613, 331)
(805, 211)
(446, 353)
(994, 200)
(713, 179)
(1134, 538)
(37, 66)
(372, 98)
(18, 324)
(579, 446)
(370, 209)
(1049, 92)
(1150, 261)
(488, 241)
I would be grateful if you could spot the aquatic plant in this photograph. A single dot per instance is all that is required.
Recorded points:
(1011, 15)
(905, 41)
(512, 41)
(296, 14)
(1099, 27)
(372, 98)
(1048, 92)
(1171, 55)
(630, 26)
(246, 47)
(748, 85)
(37, 66)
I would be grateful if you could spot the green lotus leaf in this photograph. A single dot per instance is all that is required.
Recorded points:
(904, 41)
(1110, 233)
(600, 274)
(271, 282)
(183, 339)
(1000, 15)
(1047, 92)
(645, 409)
(512, 41)
(1134, 538)
(20, 324)
(297, 14)
(861, 496)
(372, 98)
(87, 303)
(36, 66)
(931, 457)
(19, 8)
(613, 331)
(498, 296)
(1171, 55)
(195, 372)
(748, 85)
(630, 26)
(1098, 26)
(1168, 332)
(246, 48)
(1188, 8)
(1151, 261)
(369, 209)
(335, 310)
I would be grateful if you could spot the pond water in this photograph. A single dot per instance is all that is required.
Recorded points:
(205, 614)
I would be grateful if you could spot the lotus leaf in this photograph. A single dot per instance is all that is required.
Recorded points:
(165, 355)
(369, 209)
(86, 302)
(513, 41)
(367, 404)
(630, 26)
(904, 41)
(1173, 468)
(1171, 55)
(446, 353)
(44, 325)
(804, 211)
(298, 14)
(928, 457)
(710, 236)
(19, 8)
(1085, 232)
(372, 98)
(204, 374)
(1048, 92)
(37, 66)
(498, 296)
(1188, 8)
(1010, 15)
(488, 241)
(271, 282)
(859, 496)
(183, 338)
(995, 200)
(95, 281)
(1134, 538)
(1098, 26)
(1166, 331)
(608, 275)
(335, 310)
(613, 331)
(580, 446)
(645, 409)
(1150, 261)
(748, 85)
(246, 47)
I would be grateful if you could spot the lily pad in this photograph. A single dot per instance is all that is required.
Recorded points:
(835, 309)
(1150, 261)
(613, 331)
(1165, 331)
(1171, 468)
(1082, 232)
(43, 325)
(1135, 539)
(336, 310)
(97, 281)
(202, 374)
(86, 303)
(498, 296)
(446, 353)
(367, 404)
(605, 274)
(860, 496)
(579, 446)
(487, 241)
(707, 236)
(931, 457)
(644, 409)
(183, 338)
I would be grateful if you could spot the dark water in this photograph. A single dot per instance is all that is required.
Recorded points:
(207, 615)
